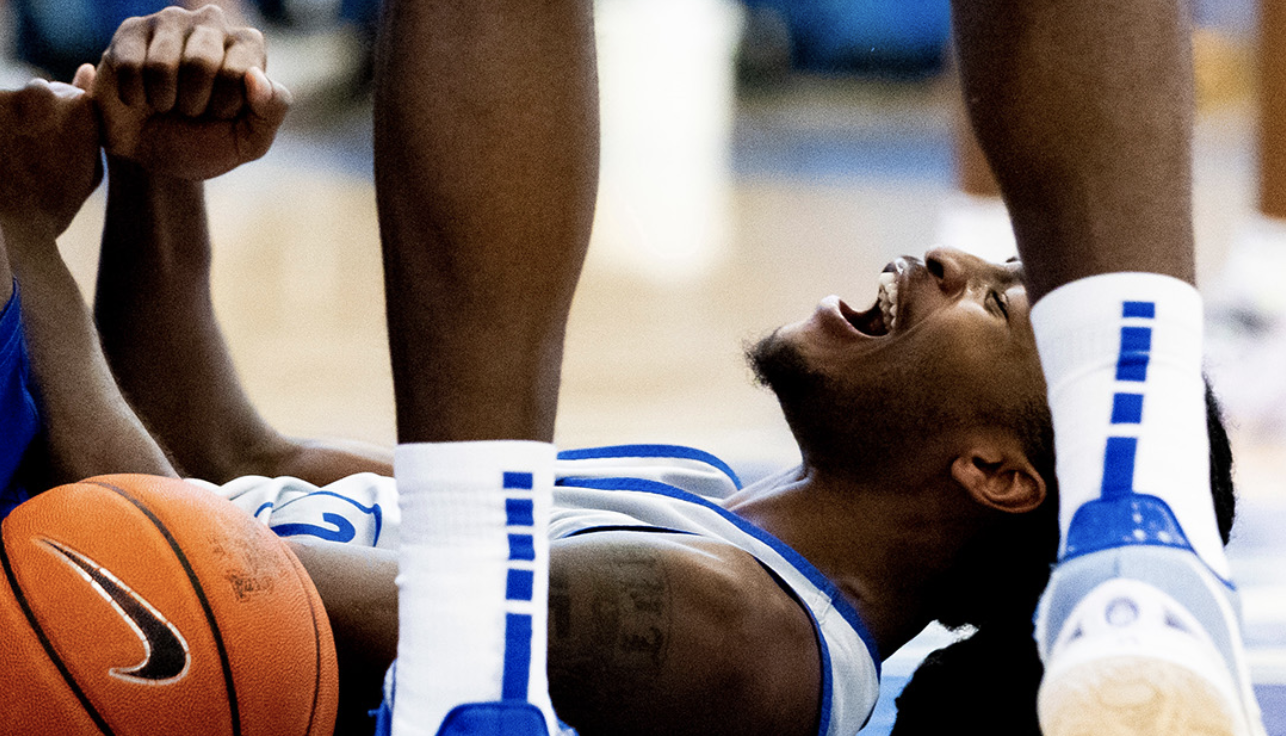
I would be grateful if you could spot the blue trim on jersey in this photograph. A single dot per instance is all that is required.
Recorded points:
(674, 451)
(828, 685)
(383, 715)
(798, 561)
(372, 510)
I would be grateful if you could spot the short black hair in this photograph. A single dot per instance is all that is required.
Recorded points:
(987, 682)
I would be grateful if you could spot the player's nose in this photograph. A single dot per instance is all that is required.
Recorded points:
(954, 269)
(950, 268)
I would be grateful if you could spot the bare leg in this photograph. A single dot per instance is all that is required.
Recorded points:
(486, 148)
(1272, 109)
(1085, 112)
(973, 173)
(486, 157)
(1084, 108)
(974, 218)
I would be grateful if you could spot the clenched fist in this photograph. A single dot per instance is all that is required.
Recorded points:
(184, 94)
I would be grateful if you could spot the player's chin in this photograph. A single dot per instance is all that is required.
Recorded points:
(778, 362)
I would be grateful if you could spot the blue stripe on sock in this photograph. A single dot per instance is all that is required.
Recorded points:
(1132, 367)
(518, 480)
(517, 656)
(1136, 340)
(519, 585)
(522, 547)
(520, 512)
(1147, 310)
(1118, 467)
(1127, 408)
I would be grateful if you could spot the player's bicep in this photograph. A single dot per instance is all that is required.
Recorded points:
(666, 634)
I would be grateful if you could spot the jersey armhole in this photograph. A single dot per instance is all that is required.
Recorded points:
(824, 700)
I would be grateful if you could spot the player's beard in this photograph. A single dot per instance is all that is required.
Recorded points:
(868, 425)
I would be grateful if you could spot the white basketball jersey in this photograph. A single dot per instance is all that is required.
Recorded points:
(661, 487)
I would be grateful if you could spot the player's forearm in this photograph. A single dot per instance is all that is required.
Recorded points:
(357, 587)
(486, 171)
(154, 311)
(89, 428)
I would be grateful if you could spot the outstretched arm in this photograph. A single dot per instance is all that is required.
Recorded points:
(156, 316)
(486, 168)
(48, 166)
(184, 98)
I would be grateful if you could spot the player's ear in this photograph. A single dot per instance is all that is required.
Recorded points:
(996, 472)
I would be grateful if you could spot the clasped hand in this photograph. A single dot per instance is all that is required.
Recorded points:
(184, 94)
(181, 93)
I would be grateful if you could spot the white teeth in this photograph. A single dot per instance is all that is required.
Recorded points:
(889, 298)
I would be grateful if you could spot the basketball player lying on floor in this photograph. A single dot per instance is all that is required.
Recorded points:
(681, 602)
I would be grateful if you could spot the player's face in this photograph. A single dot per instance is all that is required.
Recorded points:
(948, 344)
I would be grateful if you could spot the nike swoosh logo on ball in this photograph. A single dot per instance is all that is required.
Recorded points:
(166, 651)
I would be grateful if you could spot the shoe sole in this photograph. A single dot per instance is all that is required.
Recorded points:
(1134, 696)
(1130, 660)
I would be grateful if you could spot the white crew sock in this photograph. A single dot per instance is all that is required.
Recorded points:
(1122, 359)
(473, 578)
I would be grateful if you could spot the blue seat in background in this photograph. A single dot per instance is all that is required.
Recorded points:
(889, 36)
(59, 35)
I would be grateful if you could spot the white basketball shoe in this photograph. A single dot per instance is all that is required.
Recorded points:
(1141, 638)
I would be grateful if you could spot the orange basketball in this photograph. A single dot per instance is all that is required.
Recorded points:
(133, 604)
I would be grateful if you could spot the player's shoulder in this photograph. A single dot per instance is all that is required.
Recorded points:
(694, 632)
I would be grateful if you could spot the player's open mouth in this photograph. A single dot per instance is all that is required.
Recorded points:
(882, 318)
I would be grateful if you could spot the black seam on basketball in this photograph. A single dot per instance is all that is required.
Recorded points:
(229, 685)
(317, 645)
(49, 645)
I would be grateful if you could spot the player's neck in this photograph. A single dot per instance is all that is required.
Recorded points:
(880, 548)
